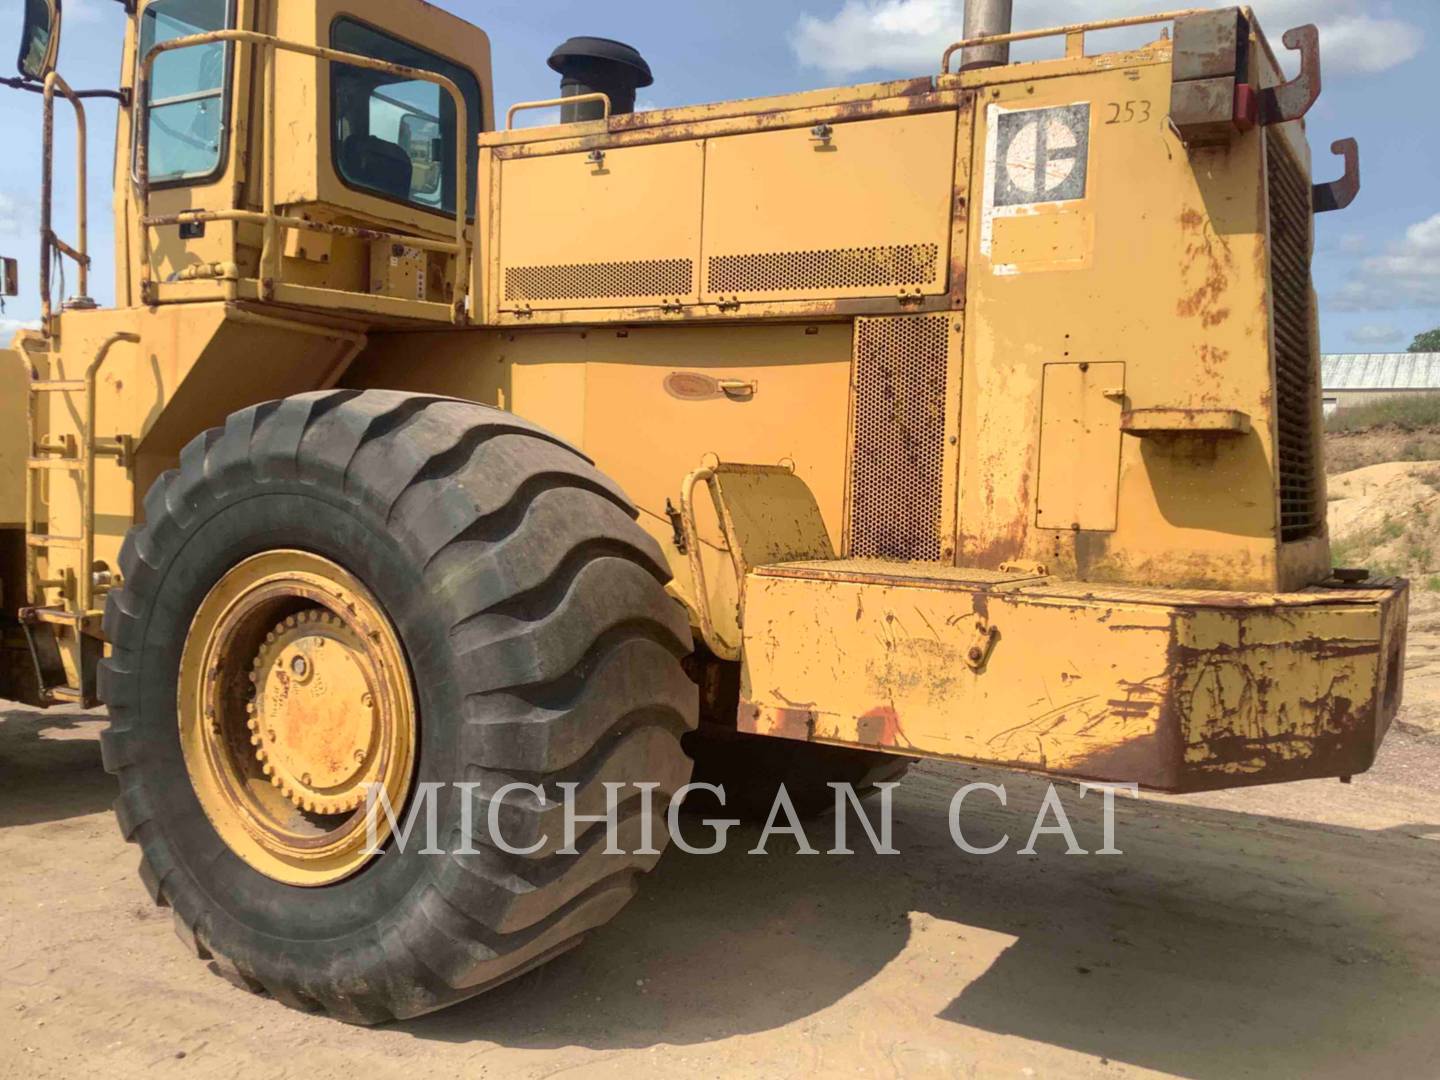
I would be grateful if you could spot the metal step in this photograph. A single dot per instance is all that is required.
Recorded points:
(69, 543)
(57, 386)
(58, 464)
(61, 617)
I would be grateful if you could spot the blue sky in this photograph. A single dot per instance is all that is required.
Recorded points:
(1377, 264)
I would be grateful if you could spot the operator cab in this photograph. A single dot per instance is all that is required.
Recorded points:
(318, 184)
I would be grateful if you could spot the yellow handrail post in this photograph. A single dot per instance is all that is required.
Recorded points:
(49, 241)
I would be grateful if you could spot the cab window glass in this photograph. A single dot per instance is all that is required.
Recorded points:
(395, 137)
(189, 89)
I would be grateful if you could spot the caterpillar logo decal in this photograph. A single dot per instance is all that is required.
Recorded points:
(1039, 155)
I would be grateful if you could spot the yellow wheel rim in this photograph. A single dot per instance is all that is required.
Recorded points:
(295, 699)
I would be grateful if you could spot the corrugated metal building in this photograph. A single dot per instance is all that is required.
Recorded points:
(1356, 378)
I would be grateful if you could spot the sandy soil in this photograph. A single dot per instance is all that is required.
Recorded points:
(1421, 714)
(1288, 931)
(1365, 499)
(1347, 450)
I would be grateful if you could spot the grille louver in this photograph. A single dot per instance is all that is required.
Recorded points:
(1295, 355)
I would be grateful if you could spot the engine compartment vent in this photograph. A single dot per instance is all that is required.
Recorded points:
(1296, 358)
(898, 454)
(601, 281)
(809, 271)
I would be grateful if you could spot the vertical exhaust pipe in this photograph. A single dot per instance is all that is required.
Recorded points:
(984, 18)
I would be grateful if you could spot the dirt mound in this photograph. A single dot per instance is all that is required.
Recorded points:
(1387, 518)
(1346, 451)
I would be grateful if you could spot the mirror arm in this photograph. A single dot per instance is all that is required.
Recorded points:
(123, 96)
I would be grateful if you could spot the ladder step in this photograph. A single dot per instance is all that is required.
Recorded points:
(57, 386)
(65, 693)
(61, 617)
(62, 464)
(39, 540)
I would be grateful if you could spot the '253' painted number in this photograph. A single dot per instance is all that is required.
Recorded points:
(1131, 112)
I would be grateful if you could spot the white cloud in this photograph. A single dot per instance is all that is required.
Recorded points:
(1374, 334)
(908, 36)
(1361, 44)
(8, 328)
(1406, 276)
(10, 216)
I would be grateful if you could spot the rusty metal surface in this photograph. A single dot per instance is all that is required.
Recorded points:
(49, 240)
(1292, 100)
(1068, 30)
(1338, 194)
(919, 575)
(1204, 109)
(1129, 687)
(1208, 45)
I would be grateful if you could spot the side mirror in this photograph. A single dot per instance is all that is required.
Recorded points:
(40, 39)
(9, 277)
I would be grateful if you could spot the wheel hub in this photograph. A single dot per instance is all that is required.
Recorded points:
(313, 718)
(295, 703)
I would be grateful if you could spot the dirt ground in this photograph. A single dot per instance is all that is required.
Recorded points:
(1273, 932)
(1347, 450)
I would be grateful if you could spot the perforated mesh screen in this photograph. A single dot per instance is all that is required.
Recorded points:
(1295, 353)
(601, 281)
(896, 476)
(842, 268)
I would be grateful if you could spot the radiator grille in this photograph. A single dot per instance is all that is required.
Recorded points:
(1295, 360)
(842, 268)
(896, 475)
(601, 281)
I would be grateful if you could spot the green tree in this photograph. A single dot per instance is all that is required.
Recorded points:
(1427, 342)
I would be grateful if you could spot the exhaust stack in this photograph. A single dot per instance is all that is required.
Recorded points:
(985, 18)
(589, 65)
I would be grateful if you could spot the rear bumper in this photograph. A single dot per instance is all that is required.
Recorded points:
(1172, 690)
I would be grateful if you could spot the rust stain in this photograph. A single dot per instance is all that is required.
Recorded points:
(1213, 258)
(747, 718)
(797, 724)
(881, 727)
(1011, 542)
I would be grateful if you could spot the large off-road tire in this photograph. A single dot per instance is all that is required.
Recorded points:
(538, 642)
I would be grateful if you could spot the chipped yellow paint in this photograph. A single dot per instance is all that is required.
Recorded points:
(1140, 690)
(1105, 402)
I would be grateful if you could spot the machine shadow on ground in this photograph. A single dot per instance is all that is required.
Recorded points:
(50, 768)
(1219, 944)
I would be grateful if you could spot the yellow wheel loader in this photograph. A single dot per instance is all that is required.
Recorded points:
(430, 464)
